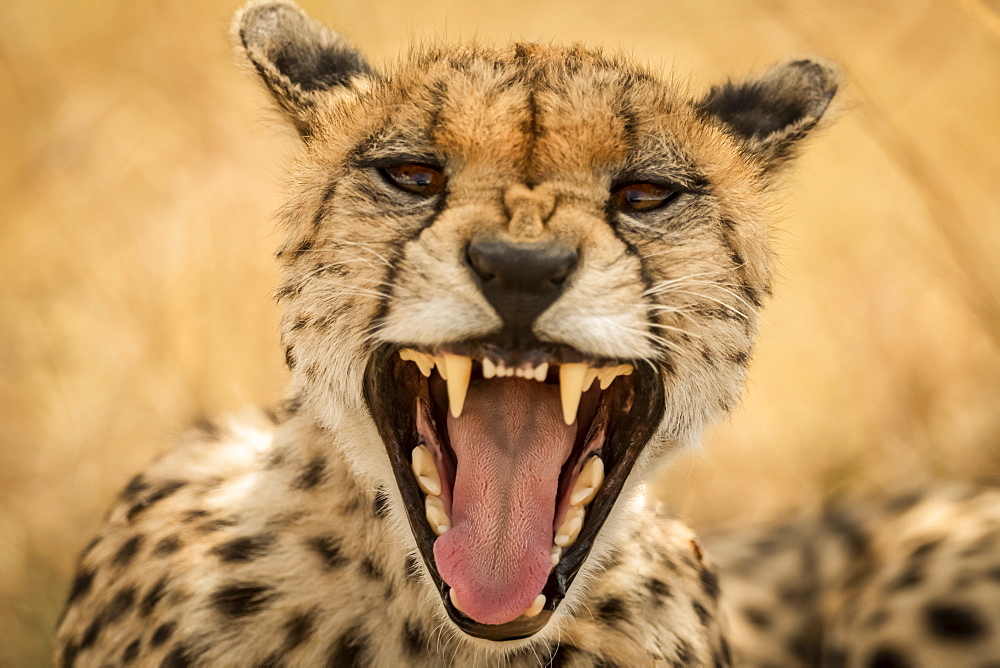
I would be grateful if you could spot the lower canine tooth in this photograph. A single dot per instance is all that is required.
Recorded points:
(570, 528)
(436, 515)
(588, 483)
(459, 369)
(425, 471)
(570, 384)
(454, 600)
(536, 606)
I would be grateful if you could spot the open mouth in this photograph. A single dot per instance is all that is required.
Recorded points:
(508, 463)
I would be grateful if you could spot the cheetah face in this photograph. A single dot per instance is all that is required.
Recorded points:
(515, 280)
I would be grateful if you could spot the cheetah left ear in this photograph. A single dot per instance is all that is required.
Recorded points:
(298, 58)
(770, 114)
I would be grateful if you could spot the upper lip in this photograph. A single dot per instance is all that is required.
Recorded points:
(629, 417)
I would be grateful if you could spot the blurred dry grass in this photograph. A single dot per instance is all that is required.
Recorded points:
(139, 170)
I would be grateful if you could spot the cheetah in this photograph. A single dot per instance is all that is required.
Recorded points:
(517, 281)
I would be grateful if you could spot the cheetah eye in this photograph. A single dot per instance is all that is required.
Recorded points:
(633, 197)
(415, 178)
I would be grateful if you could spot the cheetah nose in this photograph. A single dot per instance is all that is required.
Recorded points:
(520, 280)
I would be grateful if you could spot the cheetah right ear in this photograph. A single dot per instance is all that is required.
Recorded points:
(298, 58)
(770, 114)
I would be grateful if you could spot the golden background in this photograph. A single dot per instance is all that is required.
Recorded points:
(140, 166)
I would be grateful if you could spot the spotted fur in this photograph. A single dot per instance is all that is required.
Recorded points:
(287, 544)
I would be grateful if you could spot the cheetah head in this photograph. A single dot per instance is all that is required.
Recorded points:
(515, 281)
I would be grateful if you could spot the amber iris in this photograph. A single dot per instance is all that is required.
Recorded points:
(415, 178)
(641, 196)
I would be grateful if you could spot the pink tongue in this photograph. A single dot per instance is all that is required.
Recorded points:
(511, 443)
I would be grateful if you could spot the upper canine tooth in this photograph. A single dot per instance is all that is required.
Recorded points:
(541, 371)
(442, 369)
(570, 384)
(570, 528)
(436, 515)
(459, 368)
(423, 361)
(535, 607)
(425, 470)
(588, 483)
(489, 368)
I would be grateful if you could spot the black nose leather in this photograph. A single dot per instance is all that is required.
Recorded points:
(520, 280)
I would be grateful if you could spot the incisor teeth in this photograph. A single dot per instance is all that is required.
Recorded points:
(541, 371)
(519, 372)
(535, 607)
(423, 361)
(425, 471)
(588, 483)
(489, 368)
(442, 369)
(458, 369)
(436, 515)
(570, 382)
(570, 529)
(589, 378)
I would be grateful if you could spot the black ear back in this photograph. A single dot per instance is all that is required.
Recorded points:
(769, 114)
(296, 57)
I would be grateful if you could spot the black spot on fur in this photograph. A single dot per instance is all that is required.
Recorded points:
(757, 618)
(303, 247)
(181, 656)
(741, 358)
(126, 553)
(612, 609)
(119, 605)
(90, 546)
(952, 622)
(709, 583)
(162, 634)
(312, 474)
(272, 661)
(192, 515)
(834, 657)
(414, 639)
(703, 615)
(380, 506)
(289, 357)
(352, 650)
(219, 524)
(299, 628)
(911, 576)
(153, 597)
(131, 651)
(245, 548)
(81, 586)
(69, 654)
(143, 504)
(902, 502)
(888, 657)
(208, 428)
(371, 570)
(91, 634)
(329, 550)
(685, 656)
(659, 589)
(134, 487)
(242, 599)
(167, 546)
